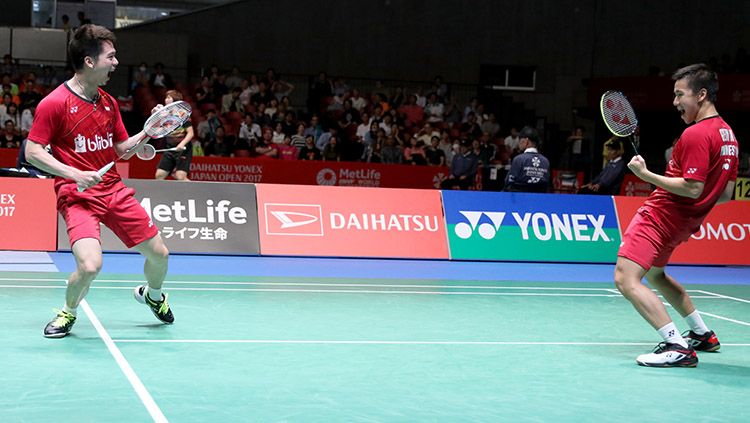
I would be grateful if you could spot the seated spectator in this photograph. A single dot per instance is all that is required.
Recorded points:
(249, 130)
(231, 102)
(309, 151)
(204, 94)
(414, 153)
(265, 148)
(358, 102)
(434, 109)
(331, 151)
(7, 99)
(435, 155)
(197, 147)
(27, 118)
(463, 169)
(471, 128)
(411, 111)
(29, 96)
(529, 171)
(490, 125)
(287, 151)
(278, 134)
(289, 125)
(391, 153)
(161, 79)
(234, 80)
(10, 136)
(298, 139)
(608, 181)
(512, 142)
(140, 78)
(207, 128)
(220, 146)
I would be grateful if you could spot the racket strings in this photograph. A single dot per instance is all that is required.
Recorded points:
(618, 114)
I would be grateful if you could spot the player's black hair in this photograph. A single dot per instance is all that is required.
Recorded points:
(87, 41)
(699, 76)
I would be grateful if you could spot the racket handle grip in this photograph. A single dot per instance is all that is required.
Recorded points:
(100, 172)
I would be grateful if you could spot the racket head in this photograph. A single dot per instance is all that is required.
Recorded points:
(168, 118)
(146, 152)
(618, 114)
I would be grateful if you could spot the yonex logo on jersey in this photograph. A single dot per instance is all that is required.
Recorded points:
(73, 109)
(84, 145)
(691, 170)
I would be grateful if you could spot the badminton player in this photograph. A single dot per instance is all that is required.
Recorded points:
(178, 160)
(702, 173)
(83, 124)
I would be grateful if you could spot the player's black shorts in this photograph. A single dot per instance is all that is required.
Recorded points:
(177, 160)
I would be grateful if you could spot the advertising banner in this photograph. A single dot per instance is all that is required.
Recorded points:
(633, 186)
(273, 171)
(350, 222)
(193, 217)
(724, 237)
(742, 189)
(27, 214)
(531, 227)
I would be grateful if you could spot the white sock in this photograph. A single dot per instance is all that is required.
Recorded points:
(670, 334)
(695, 321)
(72, 311)
(154, 294)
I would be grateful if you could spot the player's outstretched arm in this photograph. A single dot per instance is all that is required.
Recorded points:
(676, 185)
(38, 157)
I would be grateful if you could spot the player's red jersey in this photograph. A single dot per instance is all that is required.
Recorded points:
(708, 152)
(82, 135)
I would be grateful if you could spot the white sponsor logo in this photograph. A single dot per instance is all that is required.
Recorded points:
(724, 232)
(73, 109)
(83, 144)
(294, 219)
(542, 226)
(287, 218)
(210, 212)
(384, 222)
(326, 177)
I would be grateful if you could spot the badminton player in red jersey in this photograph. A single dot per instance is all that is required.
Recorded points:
(701, 173)
(83, 125)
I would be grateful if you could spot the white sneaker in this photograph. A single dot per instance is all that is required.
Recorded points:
(669, 355)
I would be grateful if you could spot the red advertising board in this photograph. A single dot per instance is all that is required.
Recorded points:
(350, 222)
(633, 186)
(28, 217)
(272, 171)
(724, 237)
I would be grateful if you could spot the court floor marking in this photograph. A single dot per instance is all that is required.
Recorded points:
(355, 291)
(716, 316)
(127, 370)
(724, 296)
(386, 342)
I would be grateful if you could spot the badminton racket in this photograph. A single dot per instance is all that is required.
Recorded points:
(160, 124)
(619, 116)
(148, 152)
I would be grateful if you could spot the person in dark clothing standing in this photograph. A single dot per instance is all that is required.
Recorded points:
(608, 181)
(529, 171)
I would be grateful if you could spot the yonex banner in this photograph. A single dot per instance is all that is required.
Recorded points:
(724, 237)
(193, 217)
(27, 214)
(350, 222)
(531, 227)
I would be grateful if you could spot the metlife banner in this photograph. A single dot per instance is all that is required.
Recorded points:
(531, 227)
(193, 217)
(351, 222)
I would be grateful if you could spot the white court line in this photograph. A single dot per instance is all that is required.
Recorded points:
(322, 284)
(716, 316)
(373, 342)
(726, 296)
(135, 382)
(352, 291)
